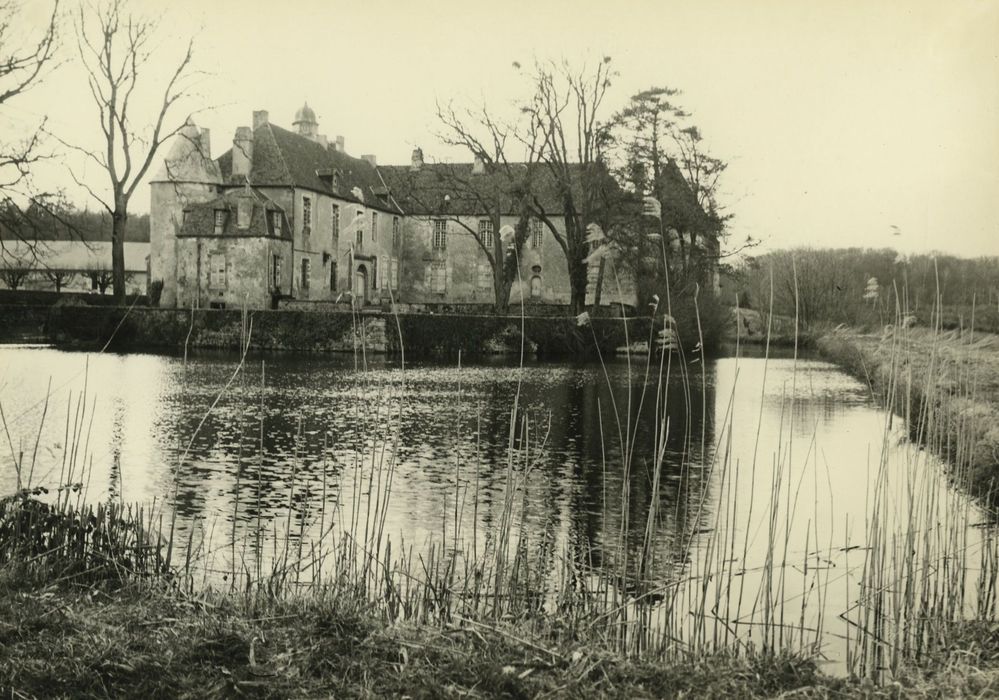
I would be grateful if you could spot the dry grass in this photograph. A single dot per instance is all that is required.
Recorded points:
(956, 372)
(147, 640)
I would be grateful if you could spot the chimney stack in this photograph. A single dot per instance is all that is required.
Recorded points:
(478, 166)
(417, 158)
(370, 158)
(323, 141)
(242, 152)
(260, 118)
(205, 144)
(339, 143)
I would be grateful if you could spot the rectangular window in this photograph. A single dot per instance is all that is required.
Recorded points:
(374, 226)
(383, 271)
(486, 233)
(440, 234)
(396, 233)
(276, 222)
(537, 233)
(333, 275)
(374, 274)
(359, 238)
(217, 279)
(306, 215)
(219, 221)
(276, 272)
(438, 277)
(335, 224)
(395, 273)
(306, 268)
(485, 276)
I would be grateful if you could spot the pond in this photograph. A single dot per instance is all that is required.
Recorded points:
(755, 492)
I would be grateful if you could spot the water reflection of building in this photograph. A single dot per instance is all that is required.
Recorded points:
(447, 442)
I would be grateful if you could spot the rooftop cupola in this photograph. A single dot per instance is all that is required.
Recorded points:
(305, 122)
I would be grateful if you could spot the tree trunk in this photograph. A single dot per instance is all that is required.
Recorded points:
(598, 286)
(118, 220)
(502, 290)
(577, 279)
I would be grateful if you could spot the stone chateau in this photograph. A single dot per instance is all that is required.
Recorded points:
(288, 217)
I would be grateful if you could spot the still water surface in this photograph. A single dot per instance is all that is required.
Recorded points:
(747, 441)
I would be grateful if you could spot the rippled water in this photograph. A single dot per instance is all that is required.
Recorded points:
(747, 441)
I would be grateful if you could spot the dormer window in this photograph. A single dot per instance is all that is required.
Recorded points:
(276, 223)
(336, 181)
(219, 221)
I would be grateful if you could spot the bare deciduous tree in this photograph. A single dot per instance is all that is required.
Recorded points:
(115, 47)
(14, 276)
(100, 279)
(25, 58)
(565, 114)
(59, 278)
(498, 185)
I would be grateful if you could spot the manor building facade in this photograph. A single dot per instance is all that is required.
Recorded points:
(288, 217)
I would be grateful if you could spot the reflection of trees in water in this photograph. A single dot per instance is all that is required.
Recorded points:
(322, 422)
(598, 507)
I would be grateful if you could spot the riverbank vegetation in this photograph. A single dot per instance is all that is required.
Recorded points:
(918, 329)
(945, 384)
(867, 288)
(116, 629)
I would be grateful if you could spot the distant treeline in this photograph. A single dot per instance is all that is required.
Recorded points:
(863, 286)
(69, 224)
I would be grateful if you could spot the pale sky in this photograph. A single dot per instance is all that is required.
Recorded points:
(839, 118)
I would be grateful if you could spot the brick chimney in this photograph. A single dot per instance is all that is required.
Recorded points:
(242, 152)
(478, 166)
(339, 143)
(260, 118)
(370, 157)
(417, 159)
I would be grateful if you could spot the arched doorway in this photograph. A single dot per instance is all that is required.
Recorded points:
(536, 287)
(361, 285)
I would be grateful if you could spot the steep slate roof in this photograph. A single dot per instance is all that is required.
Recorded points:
(199, 219)
(421, 192)
(284, 158)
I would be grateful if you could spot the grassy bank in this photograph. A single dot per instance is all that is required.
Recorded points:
(944, 383)
(88, 620)
(147, 640)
